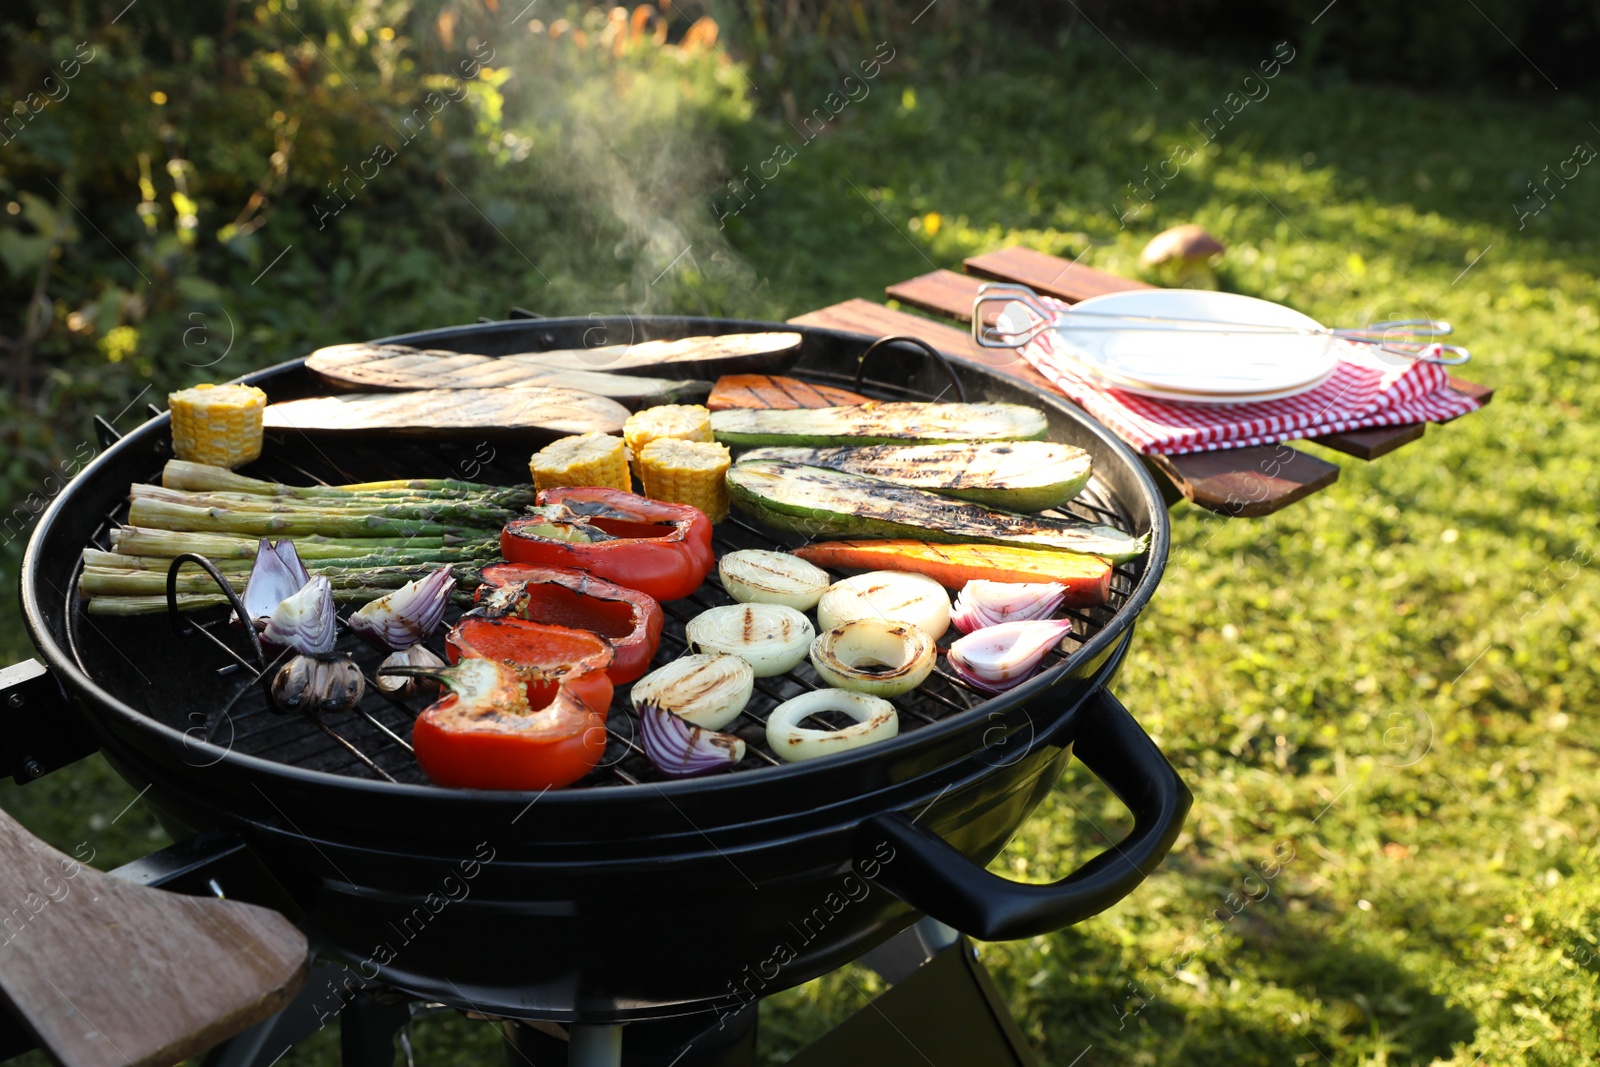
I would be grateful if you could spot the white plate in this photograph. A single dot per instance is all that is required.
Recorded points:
(1176, 361)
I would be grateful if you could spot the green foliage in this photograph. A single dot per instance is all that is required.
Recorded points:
(1384, 690)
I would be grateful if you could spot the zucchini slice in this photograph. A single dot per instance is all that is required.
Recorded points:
(820, 502)
(879, 424)
(1015, 475)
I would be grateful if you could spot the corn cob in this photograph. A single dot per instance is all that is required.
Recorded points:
(682, 422)
(217, 424)
(587, 459)
(687, 472)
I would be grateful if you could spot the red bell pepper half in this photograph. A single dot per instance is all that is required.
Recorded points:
(560, 596)
(545, 657)
(660, 549)
(484, 734)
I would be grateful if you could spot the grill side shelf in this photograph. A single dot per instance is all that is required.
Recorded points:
(40, 729)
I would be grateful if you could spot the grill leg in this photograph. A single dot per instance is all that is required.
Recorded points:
(367, 1029)
(595, 1046)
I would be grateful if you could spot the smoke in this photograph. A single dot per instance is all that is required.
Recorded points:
(611, 142)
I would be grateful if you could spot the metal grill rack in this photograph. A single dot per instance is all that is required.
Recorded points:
(373, 740)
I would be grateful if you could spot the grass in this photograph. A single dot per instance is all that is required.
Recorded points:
(1380, 696)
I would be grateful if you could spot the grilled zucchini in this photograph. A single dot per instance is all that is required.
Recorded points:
(879, 424)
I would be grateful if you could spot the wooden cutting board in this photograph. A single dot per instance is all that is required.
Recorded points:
(532, 413)
(383, 368)
(704, 357)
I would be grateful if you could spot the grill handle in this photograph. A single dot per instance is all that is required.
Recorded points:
(940, 881)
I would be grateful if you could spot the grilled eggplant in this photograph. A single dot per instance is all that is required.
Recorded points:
(879, 424)
(817, 501)
(1015, 475)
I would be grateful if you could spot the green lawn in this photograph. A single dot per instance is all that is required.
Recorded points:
(1385, 690)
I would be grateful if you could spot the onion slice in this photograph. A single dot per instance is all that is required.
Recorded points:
(708, 689)
(405, 617)
(893, 595)
(772, 638)
(984, 603)
(305, 622)
(756, 576)
(998, 658)
(403, 685)
(275, 576)
(680, 749)
(874, 656)
(875, 720)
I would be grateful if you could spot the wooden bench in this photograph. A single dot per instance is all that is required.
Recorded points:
(1234, 481)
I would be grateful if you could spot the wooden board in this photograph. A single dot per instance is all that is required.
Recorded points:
(1243, 481)
(703, 357)
(534, 413)
(1048, 274)
(396, 368)
(108, 974)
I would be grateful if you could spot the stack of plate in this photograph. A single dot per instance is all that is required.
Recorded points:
(1157, 343)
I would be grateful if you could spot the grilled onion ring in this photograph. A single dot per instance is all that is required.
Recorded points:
(875, 656)
(875, 720)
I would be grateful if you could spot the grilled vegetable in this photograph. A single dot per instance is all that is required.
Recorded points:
(875, 720)
(682, 750)
(812, 500)
(399, 367)
(768, 392)
(304, 622)
(662, 550)
(983, 603)
(681, 422)
(1016, 475)
(405, 617)
(276, 575)
(706, 357)
(1087, 579)
(874, 656)
(453, 414)
(1002, 657)
(770, 637)
(543, 656)
(401, 685)
(709, 689)
(484, 734)
(686, 472)
(217, 424)
(887, 595)
(880, 424)
(559, 596)
(325, 683)
(586, 459)
(756, 576)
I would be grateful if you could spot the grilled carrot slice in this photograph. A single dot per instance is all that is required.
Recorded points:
(767, 392)
(1087, 578)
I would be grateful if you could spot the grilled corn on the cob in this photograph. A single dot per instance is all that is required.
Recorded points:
(686, 472)
(585, 459)
(682, 422)
(217, 424)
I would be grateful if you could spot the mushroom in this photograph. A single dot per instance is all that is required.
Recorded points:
(1183, 256)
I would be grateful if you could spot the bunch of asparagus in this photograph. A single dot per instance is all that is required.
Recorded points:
(368, 538)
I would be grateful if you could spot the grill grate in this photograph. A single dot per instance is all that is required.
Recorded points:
(373, 741)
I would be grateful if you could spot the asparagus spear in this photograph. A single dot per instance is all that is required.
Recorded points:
(157, 605)
(168, 516)
(145, 541)
(377, 578)
(180, 474)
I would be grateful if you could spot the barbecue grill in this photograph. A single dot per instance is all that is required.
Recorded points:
(627, 897)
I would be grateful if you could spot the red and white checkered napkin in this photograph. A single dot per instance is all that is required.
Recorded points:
(1365, 390)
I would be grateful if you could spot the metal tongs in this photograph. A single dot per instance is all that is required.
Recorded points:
(1408, 338)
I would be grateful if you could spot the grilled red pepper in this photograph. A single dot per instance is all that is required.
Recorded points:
(546, 657)
(660, 549)
(484, 733)
(559, 596)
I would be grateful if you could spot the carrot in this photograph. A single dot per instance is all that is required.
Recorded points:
(767, 392)
(1087, 578)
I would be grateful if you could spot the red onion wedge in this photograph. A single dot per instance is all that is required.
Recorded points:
(680, 749)
(407, 616)
(1002, 657)
(984, 603)
(305, 622)
(275, 576)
